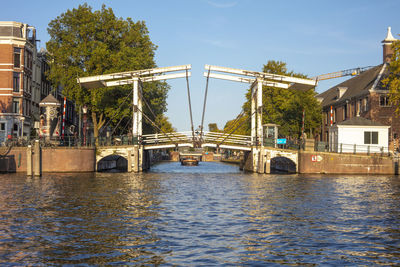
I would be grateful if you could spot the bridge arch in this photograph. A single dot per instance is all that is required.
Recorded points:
(282, 164)
(281, 160)
(112, 162)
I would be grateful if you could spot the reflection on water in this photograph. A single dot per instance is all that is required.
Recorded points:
(212, 214)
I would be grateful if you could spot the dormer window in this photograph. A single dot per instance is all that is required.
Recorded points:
(341, 91)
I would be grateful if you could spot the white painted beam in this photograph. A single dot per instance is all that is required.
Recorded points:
(150, 147)
(227, 147)
(135, 73)
(244, 80)
(149, 79)
(268, 76)
(235, 147)
(98, 81)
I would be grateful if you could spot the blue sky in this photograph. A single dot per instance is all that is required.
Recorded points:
(312, 37)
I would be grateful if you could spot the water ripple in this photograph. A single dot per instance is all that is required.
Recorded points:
(207, 215)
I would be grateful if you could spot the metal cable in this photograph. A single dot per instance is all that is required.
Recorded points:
(190, 104)
(236, 128)
(235, 121)
(241, 114)
(152, 112)
(204, 105)
(154, 124)
(115, 128)
(144, 100)
(123, 130)
(115, 113)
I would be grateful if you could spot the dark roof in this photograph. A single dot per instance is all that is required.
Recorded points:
(360, 121)
(50, 99)
(356, 86)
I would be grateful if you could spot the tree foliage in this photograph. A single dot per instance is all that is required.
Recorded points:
(393, 80)
(84, 42)
(213, 127)
(283, 107)
(164, 124)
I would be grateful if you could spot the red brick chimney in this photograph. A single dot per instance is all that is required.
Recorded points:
(387, 46)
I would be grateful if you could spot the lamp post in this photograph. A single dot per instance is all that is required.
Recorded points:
(84, 110)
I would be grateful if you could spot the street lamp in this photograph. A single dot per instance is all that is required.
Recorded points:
(84, 110)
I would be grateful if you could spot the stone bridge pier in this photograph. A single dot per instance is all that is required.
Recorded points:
(263, 160)
(136, 157)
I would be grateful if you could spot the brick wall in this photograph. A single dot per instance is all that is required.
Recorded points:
(335, 163)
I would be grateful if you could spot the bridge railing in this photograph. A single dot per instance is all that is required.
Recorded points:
(72, 141)
(225, 138)
(292, 144)
(161, 138)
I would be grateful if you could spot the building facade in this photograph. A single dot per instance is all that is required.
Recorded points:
(364, 96)
(19, 84)
(23, 83)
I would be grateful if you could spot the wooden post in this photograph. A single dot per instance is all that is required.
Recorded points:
(129, 160)
(136, 159)
(261, 160)
(37, 159)
(267, 168)
(29, 160)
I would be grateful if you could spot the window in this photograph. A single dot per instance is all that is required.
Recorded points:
(384, 101)
(334, 115)
(15, 106)
(345, 112)
(371, 138)
(16, 82)
(365, 104)
(17, 57)
(2, 126)
(28, 59)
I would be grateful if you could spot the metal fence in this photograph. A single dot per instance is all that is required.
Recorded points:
(292, 144)
(72, 141)
(320, 146)
(358, 149)
(123, 140)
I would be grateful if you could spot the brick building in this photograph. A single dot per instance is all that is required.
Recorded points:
(364, 96)
(19, 87)
(23, 82)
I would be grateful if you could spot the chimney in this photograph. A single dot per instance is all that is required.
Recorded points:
(387, 46)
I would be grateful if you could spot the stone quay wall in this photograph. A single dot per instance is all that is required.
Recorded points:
(335, 163)
(60, 159)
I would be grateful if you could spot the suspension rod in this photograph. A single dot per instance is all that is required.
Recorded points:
(190, 104)
(204, 105)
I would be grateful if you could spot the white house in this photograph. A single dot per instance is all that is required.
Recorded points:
(359, 135)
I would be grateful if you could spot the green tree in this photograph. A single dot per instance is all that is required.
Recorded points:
(393, 80)
(213, 127)
(85, 43)
(164, 124)
(283, 107)
(240, 125)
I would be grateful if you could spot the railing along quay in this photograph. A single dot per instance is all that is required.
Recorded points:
(186, 137)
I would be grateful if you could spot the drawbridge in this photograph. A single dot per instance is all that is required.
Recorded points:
(192, 138)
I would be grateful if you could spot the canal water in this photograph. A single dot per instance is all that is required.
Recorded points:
(212, 214)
